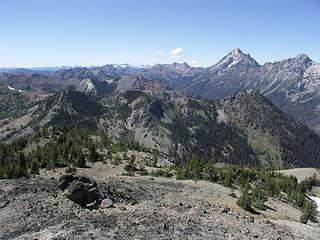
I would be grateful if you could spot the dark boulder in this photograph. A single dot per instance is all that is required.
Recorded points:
(77, 192)
(81, 190)
(64, 181)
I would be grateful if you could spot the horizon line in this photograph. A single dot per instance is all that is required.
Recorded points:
(143, 64)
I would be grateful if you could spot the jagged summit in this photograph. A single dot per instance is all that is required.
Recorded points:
(236, 58)
(173, 65)
(180, 65)
(303, 58)
(301, 61)
(236, 51)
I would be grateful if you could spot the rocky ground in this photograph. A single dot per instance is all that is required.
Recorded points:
(121, 207)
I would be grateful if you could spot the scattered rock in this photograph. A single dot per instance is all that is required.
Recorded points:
(106, 203)
(122, 208)
(196, 210)
(166, 226)
(226, 210)
(267, 221)
(250, 219)
(121, 195)
(4, 203)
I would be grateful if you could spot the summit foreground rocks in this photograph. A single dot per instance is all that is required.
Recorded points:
(49, 207)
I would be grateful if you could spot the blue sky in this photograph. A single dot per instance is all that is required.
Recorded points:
(96, 32)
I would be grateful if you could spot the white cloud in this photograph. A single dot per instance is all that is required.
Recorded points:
(175, 53)
(159, 52)
(194, 63)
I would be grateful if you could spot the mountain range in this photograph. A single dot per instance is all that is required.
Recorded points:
(292, 84)
(236, 111)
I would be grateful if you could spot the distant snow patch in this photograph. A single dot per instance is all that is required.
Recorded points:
(222, 117)
(109, 81)
(11, 88)
(317, 201)
(90, 86)
(87, 86)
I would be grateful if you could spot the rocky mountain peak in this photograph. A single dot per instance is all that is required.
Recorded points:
(302, 58)
(236, 58)
(109, 66)
(301, 61)
(180, 65)
(186, 65)
(173, 67)
(236, 51)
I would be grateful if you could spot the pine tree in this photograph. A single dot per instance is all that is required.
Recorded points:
(226, 177)
(210, 173)
(21, 166)
(194, 167)
(53, 155)
(93, 156)
(258, 198)
(80, 161)
(300, 198)
(309, 212)
(34, 168)
(245, 200)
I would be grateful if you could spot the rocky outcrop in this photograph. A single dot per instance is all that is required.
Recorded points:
(81, 190)
(88, 194)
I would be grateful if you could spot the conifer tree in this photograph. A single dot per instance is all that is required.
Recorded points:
(309, 212)
(245, 200)
(93, 156)
(80, 161)
(21, 166)
(34, 168)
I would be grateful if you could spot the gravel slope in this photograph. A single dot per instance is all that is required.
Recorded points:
(163, 209)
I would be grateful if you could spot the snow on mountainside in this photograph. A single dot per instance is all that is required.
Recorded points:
(127, 65)
(86, 85)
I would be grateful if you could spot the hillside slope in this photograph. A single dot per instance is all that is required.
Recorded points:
(245, 129)
(272, 133)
